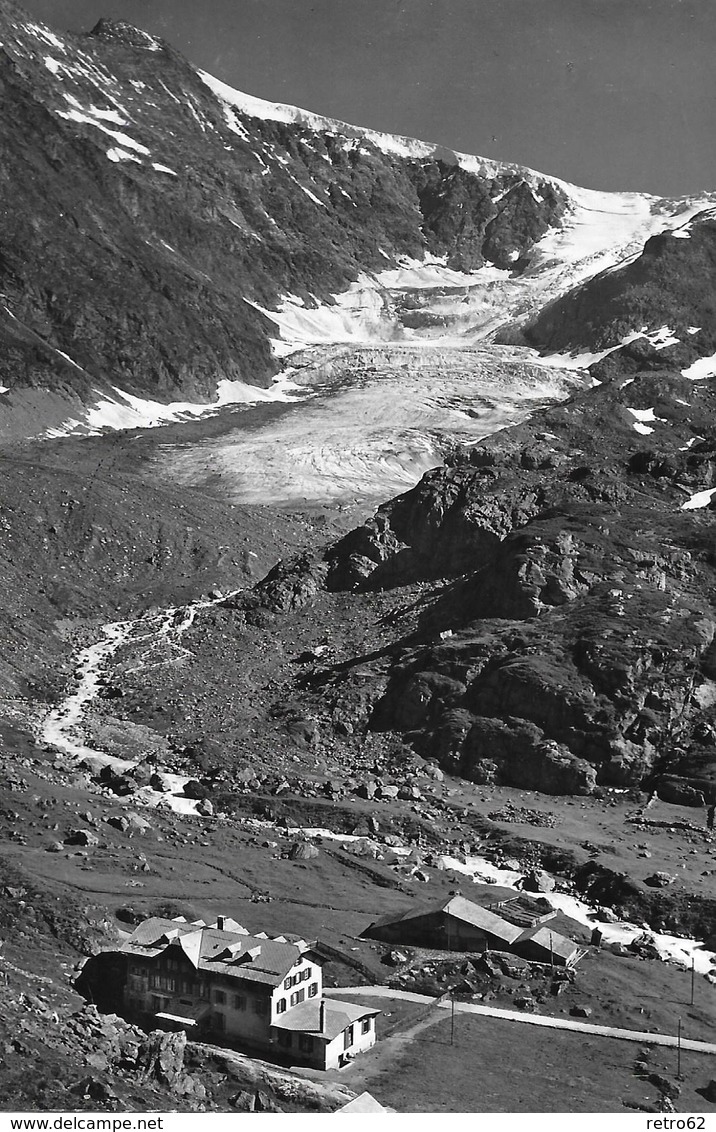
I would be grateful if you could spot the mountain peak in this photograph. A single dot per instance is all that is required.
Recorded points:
(119, 31)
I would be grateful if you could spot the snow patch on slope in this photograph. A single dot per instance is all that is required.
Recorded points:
(125, 411)
(701, 368)
(698, 500)
(643, 415)
(91, 116)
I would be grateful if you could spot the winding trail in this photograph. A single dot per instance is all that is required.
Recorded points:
(644, 1037)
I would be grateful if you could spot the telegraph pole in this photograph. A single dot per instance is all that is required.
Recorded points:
(693, 968)
(678, 1051)
(452, 1018)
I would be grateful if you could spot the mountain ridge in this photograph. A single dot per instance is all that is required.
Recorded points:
(181, 221)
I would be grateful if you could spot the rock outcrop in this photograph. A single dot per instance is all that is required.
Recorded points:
(570, 628)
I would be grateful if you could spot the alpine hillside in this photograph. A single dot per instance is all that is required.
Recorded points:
(357, 540)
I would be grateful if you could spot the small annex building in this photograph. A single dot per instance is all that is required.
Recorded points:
(459, 924)
(545, 945)
(260, 992)
(364, 1102)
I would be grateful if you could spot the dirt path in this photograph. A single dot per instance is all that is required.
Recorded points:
(643, 1037)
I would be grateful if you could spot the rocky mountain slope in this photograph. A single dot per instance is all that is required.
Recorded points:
(574, 602)
(157, 224)
(536, 613)
(669, 285)
(146, 215)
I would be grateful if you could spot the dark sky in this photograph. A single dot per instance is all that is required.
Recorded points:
(613, 94)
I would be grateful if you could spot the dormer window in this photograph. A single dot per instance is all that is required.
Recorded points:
(239, 953)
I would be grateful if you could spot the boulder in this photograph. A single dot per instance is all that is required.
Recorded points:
(94, 764)
(81, 837)
(142, 774)
(243, 1101)
(679, 792)
(264, 1103)
(119, 821)
(120, 784)
(434, 772)
(659, 879)
(161, 1056)
(160, 782)
(93, 1088)
(194, 789)
(303, 851)
(581, 1011)
(537, 881)
(396, 958)
(362, 828)
(138, 824)
(367, 789)
(607, 916)
(387, 793)
(409, 793)
(364, 847)
(205, 808)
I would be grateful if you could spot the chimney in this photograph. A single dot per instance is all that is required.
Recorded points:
(220, 923)
(322, 1016)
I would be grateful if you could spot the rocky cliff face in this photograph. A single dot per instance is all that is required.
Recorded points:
(565, 635)
(144, 214)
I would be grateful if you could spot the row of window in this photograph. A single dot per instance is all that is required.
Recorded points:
(301, 977)
(296, 997)
(173, 985)
(241, 1002)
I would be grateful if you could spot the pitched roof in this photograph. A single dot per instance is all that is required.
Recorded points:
(239, 956)
(306, 1018)
(364, 1102)
(460, 909)
(548, 939)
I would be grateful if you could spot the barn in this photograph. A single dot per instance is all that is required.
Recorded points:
(455, 925)
(460, 925)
